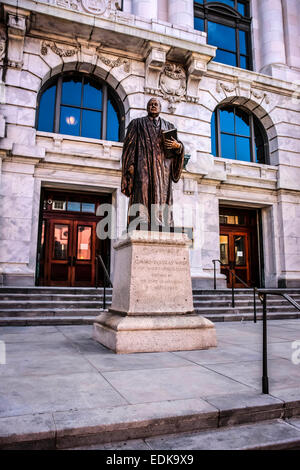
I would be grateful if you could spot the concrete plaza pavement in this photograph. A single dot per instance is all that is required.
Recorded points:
(60, 389)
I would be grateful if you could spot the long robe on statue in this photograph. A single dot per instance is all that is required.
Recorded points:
(153, 173)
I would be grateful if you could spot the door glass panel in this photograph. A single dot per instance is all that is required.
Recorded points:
(73, 206)
(84, 235)
(88, 207)
(232, 219)
(61, 240)
(239, 250)
(224, 249)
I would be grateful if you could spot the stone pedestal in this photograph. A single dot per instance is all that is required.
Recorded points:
(152, 305)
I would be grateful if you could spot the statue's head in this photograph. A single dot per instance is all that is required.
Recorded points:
(153, 107)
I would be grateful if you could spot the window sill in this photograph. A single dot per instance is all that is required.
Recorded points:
(67, 137)
(242, 162)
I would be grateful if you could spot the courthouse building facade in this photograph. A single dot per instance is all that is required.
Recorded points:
(74, 73)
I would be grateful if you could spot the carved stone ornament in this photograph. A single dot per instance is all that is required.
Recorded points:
(96, 7)
(172, 83)
(70, 4)
(238, 89)
(227, 88)
(61, 52)
(2, 47)
(260, 96)
(115, 62)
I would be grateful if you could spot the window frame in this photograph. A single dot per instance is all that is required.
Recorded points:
(225, 15)
(108, 93)
(253, 122)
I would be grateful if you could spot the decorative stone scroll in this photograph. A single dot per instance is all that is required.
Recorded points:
(115, 62)
(225, 87)
(61, 52)
(242, 88)
(260, 96)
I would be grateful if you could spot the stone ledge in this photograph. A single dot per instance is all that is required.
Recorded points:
(153, 238)
(66, 429)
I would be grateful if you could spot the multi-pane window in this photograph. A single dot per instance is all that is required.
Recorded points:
(76, 104)
(227, 24)
(237, 134)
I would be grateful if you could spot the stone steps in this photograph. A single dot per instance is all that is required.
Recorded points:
(63, 305)
(263, 422)
(276, 434)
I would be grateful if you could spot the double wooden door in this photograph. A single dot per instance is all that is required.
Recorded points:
(70, 252)
(235, 246)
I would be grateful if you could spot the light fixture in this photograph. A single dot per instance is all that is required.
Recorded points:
(71, 120)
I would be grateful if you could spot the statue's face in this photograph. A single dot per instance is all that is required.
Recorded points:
(153, 107)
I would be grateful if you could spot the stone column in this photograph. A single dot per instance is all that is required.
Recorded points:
(181, 13)
(145, 8)
(271, 35)
(291, 21)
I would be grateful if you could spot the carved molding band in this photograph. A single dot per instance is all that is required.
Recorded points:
(61, 52)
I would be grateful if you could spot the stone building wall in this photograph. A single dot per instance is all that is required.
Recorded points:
(130, 49)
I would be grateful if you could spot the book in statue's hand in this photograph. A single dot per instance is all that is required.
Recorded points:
(169, 153)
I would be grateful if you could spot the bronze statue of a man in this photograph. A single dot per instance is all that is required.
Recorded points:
(147, 173)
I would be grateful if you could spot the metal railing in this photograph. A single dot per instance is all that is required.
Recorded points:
(233, 277)
(99, 261)
(262, 293)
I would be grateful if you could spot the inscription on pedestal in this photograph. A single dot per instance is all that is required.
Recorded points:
(163, 278)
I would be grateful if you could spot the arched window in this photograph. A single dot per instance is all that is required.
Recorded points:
(228, 25)
(80, 105)
(237, 134)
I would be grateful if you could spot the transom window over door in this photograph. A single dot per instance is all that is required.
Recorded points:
(80, 105)
(228, 25)
(237, 134)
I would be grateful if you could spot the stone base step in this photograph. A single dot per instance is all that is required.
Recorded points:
(268, 435)
(48, 312)
(89, 320)
(239, 421)
(45, 321)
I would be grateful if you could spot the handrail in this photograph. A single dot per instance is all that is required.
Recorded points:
(234, 275)
(106, 277)
(263, 298)
(283, 294)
